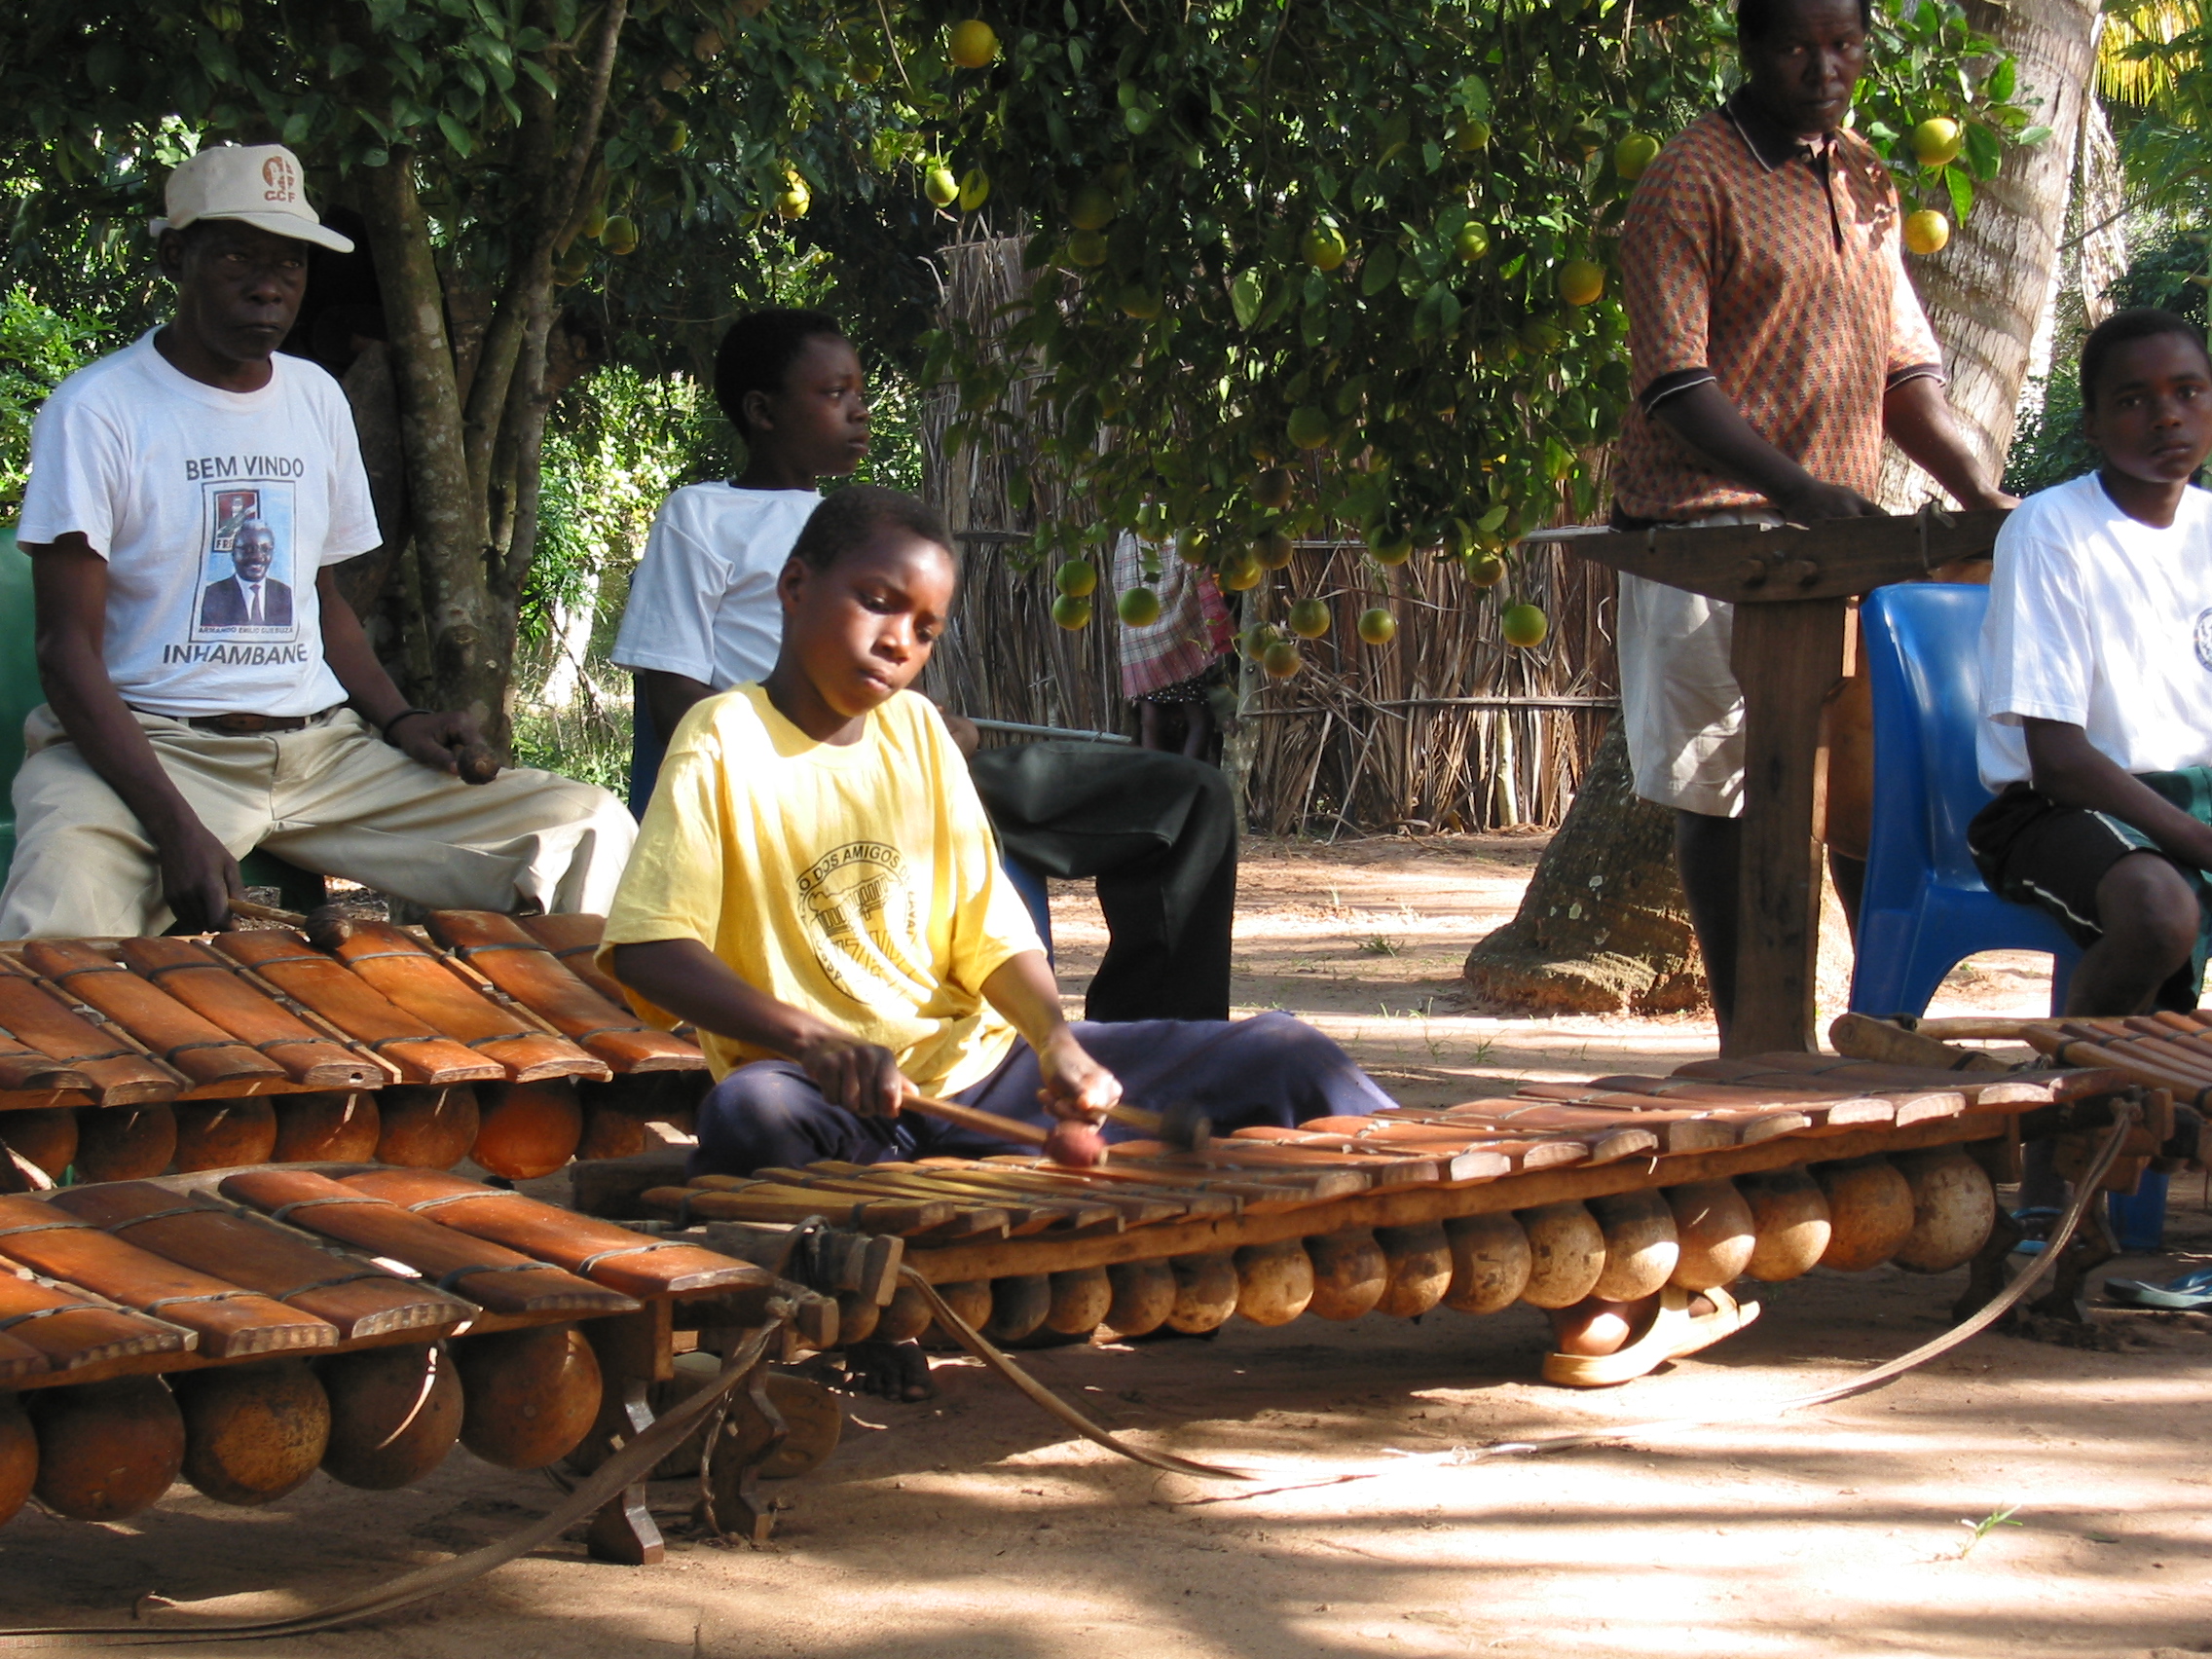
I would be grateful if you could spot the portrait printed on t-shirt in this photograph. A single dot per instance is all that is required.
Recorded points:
(245, 581)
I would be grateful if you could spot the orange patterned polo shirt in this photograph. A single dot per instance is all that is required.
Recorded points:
(1770, 266)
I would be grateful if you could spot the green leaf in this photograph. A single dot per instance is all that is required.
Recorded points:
(1245, 294)
(2034, 136)
(1962, 191)
(2003, 80)
(1378, 271)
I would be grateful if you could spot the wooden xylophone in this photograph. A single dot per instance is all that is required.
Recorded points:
(246, 1330)
(485, 1036)
(1765, 1167)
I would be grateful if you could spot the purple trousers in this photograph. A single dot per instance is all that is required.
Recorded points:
(1268, 1069)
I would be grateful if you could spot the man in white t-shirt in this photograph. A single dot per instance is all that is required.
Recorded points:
(2096, 668)
(208, 691)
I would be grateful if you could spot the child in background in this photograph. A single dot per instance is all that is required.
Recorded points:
(2096, 667)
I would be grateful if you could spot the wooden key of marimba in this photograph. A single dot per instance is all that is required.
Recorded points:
(230, 1321)
(498, 948)
(118, 1072)
(213, 988)
(360, 1299)
(422, 1053)
(494, 1277)
(172, 1032)
(415, 979)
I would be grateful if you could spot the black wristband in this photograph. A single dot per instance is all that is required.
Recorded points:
(385, 732)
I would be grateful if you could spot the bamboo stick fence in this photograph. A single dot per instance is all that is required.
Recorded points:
(1446, 728)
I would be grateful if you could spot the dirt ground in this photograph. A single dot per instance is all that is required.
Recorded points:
(973, 1528)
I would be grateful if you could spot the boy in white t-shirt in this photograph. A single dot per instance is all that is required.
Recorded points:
(2096, 668)
(209, 691)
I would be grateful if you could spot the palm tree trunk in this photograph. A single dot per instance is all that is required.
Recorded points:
(1986, 292)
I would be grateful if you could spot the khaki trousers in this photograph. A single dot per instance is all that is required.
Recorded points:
(332, 797)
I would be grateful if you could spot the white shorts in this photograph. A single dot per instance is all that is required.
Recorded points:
(1683, 710)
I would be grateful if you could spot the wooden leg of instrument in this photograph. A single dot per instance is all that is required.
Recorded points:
(1144, 1296)
(1987, 1275)
(753, 1432)
(1080, 1299)
(1869, 1211)
(1717, 1233)
(1274, 1282)
(1566, 1254)
(1206, 1291)
(45, 1135)
(634, 1354)
(328, 1127)
(1349, 1273)
(222, 1135)
(123, 1143)
(1018, 1306)
(2091, 1246)
(1420, 1263)
(1641, 1248)
(1790, 1215)
(1954, 1206)
(1490, 1262)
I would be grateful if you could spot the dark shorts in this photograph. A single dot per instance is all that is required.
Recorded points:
(2032, 851)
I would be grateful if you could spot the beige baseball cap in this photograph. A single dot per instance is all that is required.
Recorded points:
(255, 184)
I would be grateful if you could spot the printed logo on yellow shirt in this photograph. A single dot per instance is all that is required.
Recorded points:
(864, 921)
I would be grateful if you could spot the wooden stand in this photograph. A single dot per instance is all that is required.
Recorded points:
(1791, 587)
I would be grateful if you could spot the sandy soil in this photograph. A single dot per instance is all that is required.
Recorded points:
(974, 1528)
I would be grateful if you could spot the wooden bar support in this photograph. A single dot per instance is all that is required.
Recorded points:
(1786, 657)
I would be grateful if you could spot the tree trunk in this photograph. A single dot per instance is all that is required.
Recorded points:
(1987, 292)
(1601, 927)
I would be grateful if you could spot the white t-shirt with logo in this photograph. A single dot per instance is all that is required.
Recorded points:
(2101, 621)
(703, 600)
(214, 510)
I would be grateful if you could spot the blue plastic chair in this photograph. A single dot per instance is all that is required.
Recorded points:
(1926, 909)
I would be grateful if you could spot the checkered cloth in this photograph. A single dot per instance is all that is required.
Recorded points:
(1193, 627)
(1771, 266)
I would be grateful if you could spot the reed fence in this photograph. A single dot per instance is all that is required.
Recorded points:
(1445, 728)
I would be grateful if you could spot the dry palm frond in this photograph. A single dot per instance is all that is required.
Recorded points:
(2132, 69)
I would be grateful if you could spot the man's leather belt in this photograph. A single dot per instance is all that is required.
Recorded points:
(247, 725)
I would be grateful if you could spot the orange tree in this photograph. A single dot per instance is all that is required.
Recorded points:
(1347, 263)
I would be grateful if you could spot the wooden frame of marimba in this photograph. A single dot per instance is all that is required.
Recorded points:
(1791, 587)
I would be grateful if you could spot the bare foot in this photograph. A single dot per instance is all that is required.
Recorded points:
(894, 1371)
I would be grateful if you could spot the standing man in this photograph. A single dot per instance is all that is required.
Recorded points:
(1776, 340)
(209, 690)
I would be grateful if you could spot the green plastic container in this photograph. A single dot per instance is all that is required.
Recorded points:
(20, 691)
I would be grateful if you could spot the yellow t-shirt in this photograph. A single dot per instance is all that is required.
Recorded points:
(861, 884)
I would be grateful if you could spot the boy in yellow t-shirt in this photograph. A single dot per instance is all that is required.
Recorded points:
(816, 889)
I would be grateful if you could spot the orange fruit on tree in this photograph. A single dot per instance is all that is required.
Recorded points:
(1378, 627)
(1308, 427)
(1071, 612)
(1274, 488)
(1138, 607)
(940, 186)
(1471, 243)
(1927, 232)
(1093, 207)
(1241, 574)
(1581, 282)
(1078, 578)
(1523, 625)
(971, 44)
(1087, 247)
(1937, 142)
(1274, 550)
(1281, 659)
(1635, 153)
(1309, 618)
(1325, 247)
(1484, 569)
